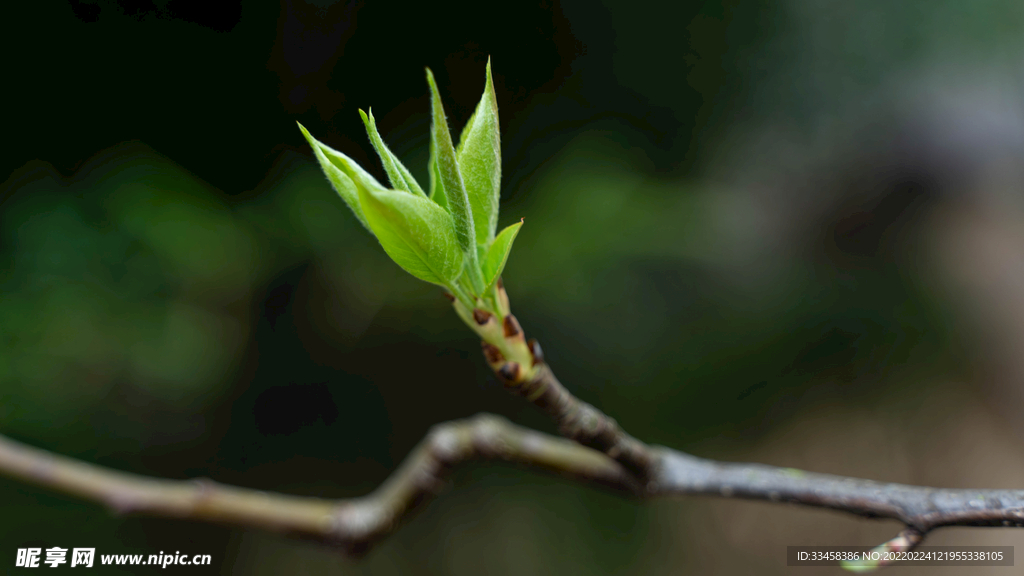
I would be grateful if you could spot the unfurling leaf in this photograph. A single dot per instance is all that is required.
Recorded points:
(440, 237)
(497, 254)
(339, 168)
(398, 174)
(479, 158)
(449, 179)
(416, 233)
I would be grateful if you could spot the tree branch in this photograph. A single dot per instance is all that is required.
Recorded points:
(598, 452)
(519, 364)
(357, 524)
(354, 524)
(663, 471)
(920, 508)
(583, 423)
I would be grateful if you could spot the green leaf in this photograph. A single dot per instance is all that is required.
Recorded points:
(447, 167)
(339, 170)
(436, 188)
(465, 131)
(416, 233)
(479, 158)
(398, 174)
(497, 254)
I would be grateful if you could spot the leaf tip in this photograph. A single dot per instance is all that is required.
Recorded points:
(489, 87)
(313, 142)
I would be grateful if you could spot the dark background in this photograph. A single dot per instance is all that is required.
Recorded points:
(786, 232)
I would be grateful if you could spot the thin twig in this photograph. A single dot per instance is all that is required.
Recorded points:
(663, 471)
(920, 508)
(666, 471)
(354, 524)
(357, 524)
(519, 364)
(906, 540)
(585, 424)
(598, 452)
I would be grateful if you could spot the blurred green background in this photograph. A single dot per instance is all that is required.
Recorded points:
(787, 232)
